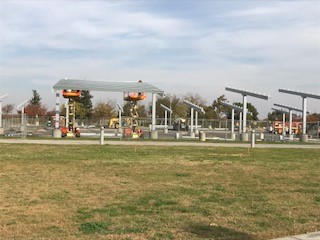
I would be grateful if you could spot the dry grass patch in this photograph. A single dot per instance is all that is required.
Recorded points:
(92, 192)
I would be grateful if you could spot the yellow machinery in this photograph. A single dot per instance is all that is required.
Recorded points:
(70, 130)
(114, 122)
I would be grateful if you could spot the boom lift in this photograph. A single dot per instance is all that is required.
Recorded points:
(133, 98)
(70, 130)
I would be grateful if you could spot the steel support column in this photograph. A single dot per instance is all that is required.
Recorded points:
(244, 115)
(290, 122)
(232, 120)
(154, 102)
(283, 124)
(57, 113)
(0, 114)
(191, 123)
(304, 115)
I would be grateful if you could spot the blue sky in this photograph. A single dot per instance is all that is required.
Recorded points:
(179, 46)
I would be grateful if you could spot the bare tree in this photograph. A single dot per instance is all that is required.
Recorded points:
(7, 109)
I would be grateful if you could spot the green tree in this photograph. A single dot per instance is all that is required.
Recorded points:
(251, 110)
(35, 107)
(219, 109)
(81, 111)
(179, 110)
(104, 110)
(35, 99)
(275, 115)
(210, 113)
(142, 112)
(85, 100)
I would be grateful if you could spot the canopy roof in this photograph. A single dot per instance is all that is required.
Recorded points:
(106, 86)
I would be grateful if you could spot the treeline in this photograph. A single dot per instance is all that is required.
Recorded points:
(108, 109)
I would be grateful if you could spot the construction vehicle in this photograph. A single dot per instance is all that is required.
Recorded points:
(114, 122)
(132, 129)
(70, 130)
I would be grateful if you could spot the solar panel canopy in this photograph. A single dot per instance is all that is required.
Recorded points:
(107, 86)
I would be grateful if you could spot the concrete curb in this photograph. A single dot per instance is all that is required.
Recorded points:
(154, 143)
(309, 236)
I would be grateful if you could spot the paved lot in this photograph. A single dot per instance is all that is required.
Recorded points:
(309, 236)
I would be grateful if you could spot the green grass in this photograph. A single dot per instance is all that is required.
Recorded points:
(117, 192)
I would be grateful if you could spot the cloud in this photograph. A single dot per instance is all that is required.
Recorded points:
(199, 46)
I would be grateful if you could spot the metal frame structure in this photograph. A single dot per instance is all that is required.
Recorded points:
(304, 96)
(246, 93)
(193, 107)
(290, 109)
(21, 105)
(233, 108)
(166, 110)
(106, 87)
(283, 120)
(120, 111)
(2, 97)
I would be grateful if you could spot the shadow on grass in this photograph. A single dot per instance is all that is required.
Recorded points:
(217, 232)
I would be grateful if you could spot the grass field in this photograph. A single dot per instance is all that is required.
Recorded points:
(104, 192)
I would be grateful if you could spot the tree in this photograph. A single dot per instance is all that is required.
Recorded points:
(7, 109)
(85, 100)
(104, 109)
(126, 109)
(275, 115)
(142, 112)
(313, 117)
(196, 99)
(81, 111)
(251, 110)
(219, 109)
(35, 99)
(210, 113)
(35, 108)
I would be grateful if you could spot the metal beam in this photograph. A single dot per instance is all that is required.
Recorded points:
(288, 107)
(279, 110)
(236, 108)
(302, 94)
(22, 104)
(166, 108)
(3, 96)
(248, 93)
(194, 106)
(107, 86)
(120, 108)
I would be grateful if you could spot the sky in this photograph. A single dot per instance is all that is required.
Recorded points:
(179, 46)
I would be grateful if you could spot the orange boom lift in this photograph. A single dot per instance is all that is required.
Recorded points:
(133, 98)
(70, 130)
